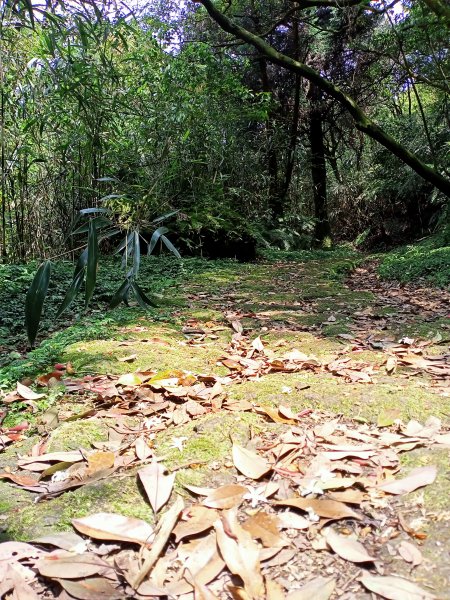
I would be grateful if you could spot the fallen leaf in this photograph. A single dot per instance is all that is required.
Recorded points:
(165, 528)
(93, 588)
(240, 553)
(128, 359)
(347, 548)
(329, 509)
(27, 393)
(98, 461)
(200, 518)
(68, 565)
(415, 479)
(410, 553)
(395, 588)
(319, 589)
(110, 526)
(158, 484)
(248, 463)
(129, 379)
(274, 590)
(265, 527)
(225, 497)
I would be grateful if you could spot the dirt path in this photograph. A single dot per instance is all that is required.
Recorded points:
(327, 350)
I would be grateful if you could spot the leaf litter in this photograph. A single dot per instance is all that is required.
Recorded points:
(317, 488)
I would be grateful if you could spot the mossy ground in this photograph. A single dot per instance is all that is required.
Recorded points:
(303, 305)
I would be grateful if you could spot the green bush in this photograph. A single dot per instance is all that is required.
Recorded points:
(418, 261)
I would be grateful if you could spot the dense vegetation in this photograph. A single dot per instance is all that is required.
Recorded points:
(255, 127)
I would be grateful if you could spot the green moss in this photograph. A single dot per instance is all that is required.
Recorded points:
(77, 434)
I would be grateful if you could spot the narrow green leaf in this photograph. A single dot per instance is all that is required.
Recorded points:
(125, 242)
(155, 237)
(92, 261)
(90, 211)
(71, 292)
(99, 223)
(136, 254)
(142, 299)
(121, 294)
(81, 262)
(170, 246)
(35, 298)
(166, 216)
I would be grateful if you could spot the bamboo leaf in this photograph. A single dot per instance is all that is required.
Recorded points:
(91, 211)
(170, 246)
(92, 261)
(155, 237)
(35, 300)
(99, 223)
(166, 216)
(71, 292)
(121, 294)
(142, 299)
(136, 253)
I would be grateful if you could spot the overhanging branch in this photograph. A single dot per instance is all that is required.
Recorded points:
(362, 121)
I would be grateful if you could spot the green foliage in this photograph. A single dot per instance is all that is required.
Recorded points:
(427, 260)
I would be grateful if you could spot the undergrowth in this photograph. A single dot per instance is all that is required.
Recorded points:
(428, 260)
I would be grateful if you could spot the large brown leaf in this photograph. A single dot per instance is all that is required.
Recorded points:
(415, 479)
(248, 463)
(93, 588)
(110, 526)
(329, 509)
(395, 588)
(199, 518)
(318, 589)
(240, 553)
(225, 497)
(68, 565)
(158, 484)
(347, 548)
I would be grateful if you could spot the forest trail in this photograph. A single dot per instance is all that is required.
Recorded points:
(292, 362)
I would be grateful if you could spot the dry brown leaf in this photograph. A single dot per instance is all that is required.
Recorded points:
(329, 509)
(158, 484)
(292, 520)
(410, 553)
(265, 527)
(320, 588)
(128, 359)
(165, 528)
(274, 590)
(93, 588)
(68, 565)
(240, 553)
(98, 461)
(347, 548)
(110, 526)
(225, 497)
(248, 463)
(395, 588)
(415, 479)
(142, 449)
(201, 592)
(200, 518)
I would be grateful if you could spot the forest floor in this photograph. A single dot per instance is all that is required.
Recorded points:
(272, 388)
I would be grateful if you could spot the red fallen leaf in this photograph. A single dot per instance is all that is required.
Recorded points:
(23, 480)
(60, 367)
(43, 380)
(20, 427)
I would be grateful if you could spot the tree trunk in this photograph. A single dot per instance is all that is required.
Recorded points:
(318, 170)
